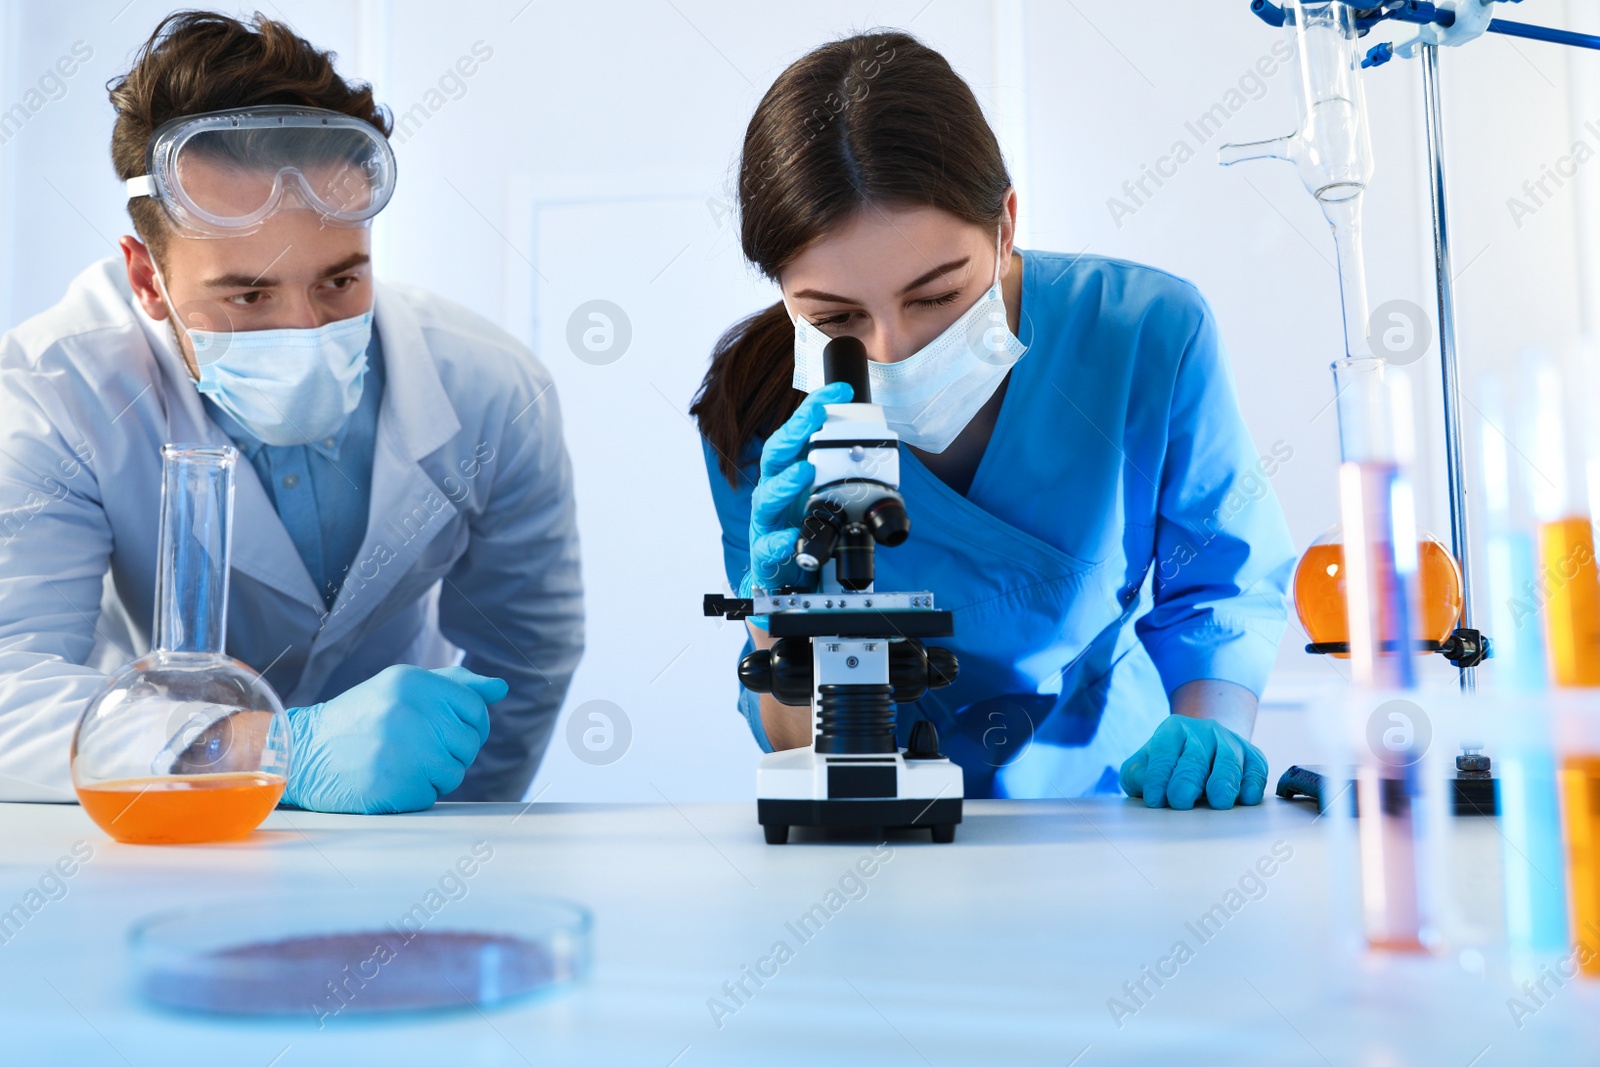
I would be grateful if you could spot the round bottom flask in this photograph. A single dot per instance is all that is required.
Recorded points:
(185, 744)
(181, 747)
(1321, 596)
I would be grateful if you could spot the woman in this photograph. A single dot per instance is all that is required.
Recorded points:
(1083, 493)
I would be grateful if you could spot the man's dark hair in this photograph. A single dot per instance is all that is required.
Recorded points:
(200, 61)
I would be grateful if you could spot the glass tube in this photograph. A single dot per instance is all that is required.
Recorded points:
(1532, 859)
(1389, 824)
(1378, 513)
(194, 550)
(1511, 551)
(1568, 582)
(1578, 728)
(1566, 593)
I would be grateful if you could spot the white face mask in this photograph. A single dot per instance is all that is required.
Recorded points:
(285, 386)
(929, 397)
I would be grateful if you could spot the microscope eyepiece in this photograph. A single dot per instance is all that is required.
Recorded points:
(845, 360)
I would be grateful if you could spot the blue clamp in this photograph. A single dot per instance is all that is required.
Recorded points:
(1419, 12)
(1378, 55)
(1268, 12)
(1427, 13)
(1416, 12)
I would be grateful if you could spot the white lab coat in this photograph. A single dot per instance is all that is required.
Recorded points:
(471, 541)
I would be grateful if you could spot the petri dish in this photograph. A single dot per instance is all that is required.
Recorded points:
(325, 956)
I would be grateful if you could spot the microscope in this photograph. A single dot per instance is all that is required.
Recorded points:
(848, 652)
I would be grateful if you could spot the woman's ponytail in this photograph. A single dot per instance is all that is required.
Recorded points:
(747, 392)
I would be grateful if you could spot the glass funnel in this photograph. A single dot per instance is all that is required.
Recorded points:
(1331, 149)
(185, 744)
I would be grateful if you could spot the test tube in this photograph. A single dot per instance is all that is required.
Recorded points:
(1568, 583)
(1378, 513)
(1511, 553)
(1578, 727)
(1532, 861)
(1389, 823)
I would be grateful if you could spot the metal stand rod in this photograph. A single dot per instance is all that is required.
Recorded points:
(1450, 371)
(1543, 33)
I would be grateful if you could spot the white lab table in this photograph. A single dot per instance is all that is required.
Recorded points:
(1003, 948)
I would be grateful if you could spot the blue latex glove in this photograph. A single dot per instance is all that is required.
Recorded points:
(779, 497)
(1186, 756)
(397, 742)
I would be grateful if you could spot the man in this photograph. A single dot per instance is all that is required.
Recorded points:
(407, 496)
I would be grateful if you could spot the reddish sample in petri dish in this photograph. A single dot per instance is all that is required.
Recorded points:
(327, 957)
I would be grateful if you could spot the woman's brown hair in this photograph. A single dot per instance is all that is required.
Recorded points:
(200, 61)
(875, 119)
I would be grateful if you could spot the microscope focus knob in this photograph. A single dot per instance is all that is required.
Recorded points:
(784, 670)
(924, 741)
(755, 671)
(915, 669)
(942, 667)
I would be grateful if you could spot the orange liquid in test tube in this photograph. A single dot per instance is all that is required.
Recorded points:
(1319, 594)
(182, 809)
(1572, 611)
(1580, 817)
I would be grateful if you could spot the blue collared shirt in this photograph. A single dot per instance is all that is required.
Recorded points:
(323, 490)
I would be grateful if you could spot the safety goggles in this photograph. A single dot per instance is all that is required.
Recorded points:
(224, 173)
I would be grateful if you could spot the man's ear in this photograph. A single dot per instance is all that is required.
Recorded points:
(142, 277)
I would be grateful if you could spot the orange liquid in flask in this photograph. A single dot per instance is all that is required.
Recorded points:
(182, 809)
(1319, 593)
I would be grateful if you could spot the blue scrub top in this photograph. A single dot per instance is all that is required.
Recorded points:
(1120, 537)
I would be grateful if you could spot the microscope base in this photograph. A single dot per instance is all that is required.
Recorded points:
(940, 816)
(799, 787)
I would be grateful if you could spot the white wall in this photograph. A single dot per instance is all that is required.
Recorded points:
(590, 158)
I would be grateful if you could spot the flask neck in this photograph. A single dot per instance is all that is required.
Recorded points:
(196, 541)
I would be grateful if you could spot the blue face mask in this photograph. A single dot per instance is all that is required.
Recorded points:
(286, 386)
